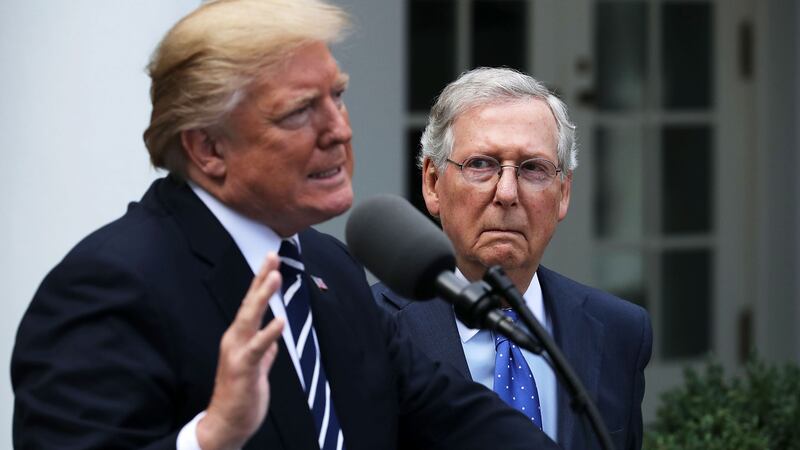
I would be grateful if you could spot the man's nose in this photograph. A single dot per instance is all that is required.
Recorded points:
(506, 190)
(335, 125)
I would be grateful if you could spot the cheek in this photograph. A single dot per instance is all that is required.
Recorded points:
(350, 161)
(457, 237)
(460, 223)
(465, 209)
(543, 218)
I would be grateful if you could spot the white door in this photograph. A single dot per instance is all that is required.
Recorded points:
(664, 194)
(663, 198)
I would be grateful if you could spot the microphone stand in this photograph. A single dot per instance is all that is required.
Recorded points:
(500, 283)
(477, 307)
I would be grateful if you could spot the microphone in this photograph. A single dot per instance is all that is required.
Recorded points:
(413, 257)
(477, 306)
(399, 245)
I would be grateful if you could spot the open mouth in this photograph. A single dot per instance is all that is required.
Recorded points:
(326, 174)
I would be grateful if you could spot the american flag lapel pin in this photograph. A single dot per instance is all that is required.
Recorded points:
(320, 283)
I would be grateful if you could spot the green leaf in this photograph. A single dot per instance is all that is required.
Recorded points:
(760, 410)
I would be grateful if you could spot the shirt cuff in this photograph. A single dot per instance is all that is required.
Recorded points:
(187, 438)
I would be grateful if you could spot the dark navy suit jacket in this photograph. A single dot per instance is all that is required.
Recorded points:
(118, 348)
(606, 340)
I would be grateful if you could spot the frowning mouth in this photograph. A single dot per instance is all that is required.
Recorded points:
(502, 231)
(497, 233)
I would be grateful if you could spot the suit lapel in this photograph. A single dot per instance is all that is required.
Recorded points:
(431, 326)
(229, 275)
(435, 332)
(580, 338)
(227, 280)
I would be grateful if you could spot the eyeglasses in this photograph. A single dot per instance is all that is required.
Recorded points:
(536, 173)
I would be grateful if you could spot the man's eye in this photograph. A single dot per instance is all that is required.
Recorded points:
(338, 97)
(534, 166)
(299, 111)
(480, 164)
(537, 170)
(296, 117)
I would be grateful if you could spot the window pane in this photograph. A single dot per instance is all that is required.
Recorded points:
(686, 179)
(621, 273)
(499, 34)
(686, 303)
(618, 182)
(431, 50)
(621, 51)
(687, 68)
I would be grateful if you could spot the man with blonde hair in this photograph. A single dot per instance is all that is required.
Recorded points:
(167, 329)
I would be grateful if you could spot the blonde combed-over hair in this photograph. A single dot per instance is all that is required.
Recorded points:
(205, 63)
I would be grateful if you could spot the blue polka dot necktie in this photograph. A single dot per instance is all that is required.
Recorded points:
(296, 299)
(513, 379)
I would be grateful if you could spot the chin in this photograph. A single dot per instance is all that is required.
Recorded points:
(336, 205)
(507, 259)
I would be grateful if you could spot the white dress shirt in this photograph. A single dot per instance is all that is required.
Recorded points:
(254, 240)
(479, 351)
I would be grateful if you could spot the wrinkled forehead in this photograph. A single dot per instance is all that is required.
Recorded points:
(534, 114)
(507, 131)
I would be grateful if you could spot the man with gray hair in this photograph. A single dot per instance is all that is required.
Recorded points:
(497, 160)
(168, 329)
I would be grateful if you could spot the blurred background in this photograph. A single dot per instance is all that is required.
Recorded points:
(686, 199)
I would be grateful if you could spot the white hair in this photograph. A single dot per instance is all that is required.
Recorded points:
(483, 86)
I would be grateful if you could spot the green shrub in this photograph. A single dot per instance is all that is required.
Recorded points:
(758, 411)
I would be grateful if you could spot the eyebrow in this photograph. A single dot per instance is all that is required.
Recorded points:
(297, 101)
(342, 80)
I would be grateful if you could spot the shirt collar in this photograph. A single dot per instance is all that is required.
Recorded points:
(253, 238)
(533, 300)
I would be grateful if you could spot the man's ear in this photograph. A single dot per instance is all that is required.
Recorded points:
(563, 204)
(203, 152)
(429, 179)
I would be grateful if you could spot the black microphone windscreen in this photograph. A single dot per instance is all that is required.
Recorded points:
(398, 244)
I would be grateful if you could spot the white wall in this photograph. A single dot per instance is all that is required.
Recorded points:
(75, 104)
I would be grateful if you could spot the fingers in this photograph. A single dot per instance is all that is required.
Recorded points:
(241, 391)
(269, 357)
(271, 262)
(263, 344)
(254, 305)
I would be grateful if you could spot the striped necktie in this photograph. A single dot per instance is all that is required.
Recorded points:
(513, 379)
(296, 299)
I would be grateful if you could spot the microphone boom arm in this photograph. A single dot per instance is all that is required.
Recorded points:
(476, 306)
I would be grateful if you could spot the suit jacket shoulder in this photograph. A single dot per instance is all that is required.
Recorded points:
(105, 324)
(608, 341)
(561, 294)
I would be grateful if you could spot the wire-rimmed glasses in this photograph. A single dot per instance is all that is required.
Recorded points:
(536, 173)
